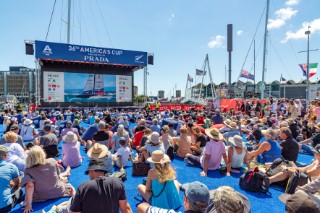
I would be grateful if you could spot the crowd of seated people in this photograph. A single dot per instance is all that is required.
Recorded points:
(208, 139)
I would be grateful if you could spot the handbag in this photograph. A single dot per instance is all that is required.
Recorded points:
(140, 169)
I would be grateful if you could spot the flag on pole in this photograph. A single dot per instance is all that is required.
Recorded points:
(246, 74)
(240, 84)
(312, 69)
(282, 78)
(200, 72)
(190, 78)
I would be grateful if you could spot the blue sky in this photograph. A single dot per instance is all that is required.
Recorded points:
(179, 33)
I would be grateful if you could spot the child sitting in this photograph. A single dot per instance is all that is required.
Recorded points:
(120, 158)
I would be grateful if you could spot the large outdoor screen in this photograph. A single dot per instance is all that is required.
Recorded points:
(80, 87)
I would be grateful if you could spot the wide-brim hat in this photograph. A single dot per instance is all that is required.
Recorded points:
(27, 122)
(96, 164)
(299, 202)
(158, 157)
(214, 133)
(154, 138)
(70, 137)
(97, 151)
(232, 125)
(227, 122)
(237, 141)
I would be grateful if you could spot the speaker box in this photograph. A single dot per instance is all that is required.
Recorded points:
(29, 49)
(229, 37)
(150, 59)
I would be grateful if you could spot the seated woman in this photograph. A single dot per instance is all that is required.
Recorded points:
(161, 189)
(213, 153)
(183, 143)
(121, 132)
(201, 141)
(153, 144)
(268, 150)
(16, 155)
(28, 131)
(237, 155)
(100, 151)
(313, 169)
(71, 150)
(43, 179)
(166, 139)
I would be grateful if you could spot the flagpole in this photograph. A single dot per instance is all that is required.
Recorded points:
(254, 66)
(308, 68)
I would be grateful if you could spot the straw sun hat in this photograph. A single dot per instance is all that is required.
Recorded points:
(158, 157)
(214, 133)
(236, 141)
(97, 151)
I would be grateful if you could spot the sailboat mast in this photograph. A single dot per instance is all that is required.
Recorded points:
(265, 49)
(254, 66)
(69, 20)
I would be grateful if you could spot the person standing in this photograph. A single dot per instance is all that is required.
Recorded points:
(100, 193)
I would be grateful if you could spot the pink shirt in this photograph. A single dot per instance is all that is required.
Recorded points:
(71, 154)
(215, 150)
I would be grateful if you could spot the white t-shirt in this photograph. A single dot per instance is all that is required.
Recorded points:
(27, 132)
(124, 152)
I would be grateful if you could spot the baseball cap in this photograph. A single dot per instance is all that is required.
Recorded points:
(69, 122)
(3, 150)
(197, 192)
(14, 127)
(299, 202)
(96, 164)
(227, 199)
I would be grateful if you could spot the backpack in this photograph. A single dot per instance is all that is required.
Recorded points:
(140, 169)
(170, 152)
(254, 181)
(296, 179)
(276, 166)
(122, 175)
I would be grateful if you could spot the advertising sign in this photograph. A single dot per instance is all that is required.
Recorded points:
(80, 53)
(83, 87)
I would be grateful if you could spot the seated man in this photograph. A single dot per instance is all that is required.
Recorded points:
(102, 136)
(106, 193)
(9, 182)
(313, 170)
(49, 142)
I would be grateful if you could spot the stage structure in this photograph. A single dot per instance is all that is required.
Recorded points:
(85, 76)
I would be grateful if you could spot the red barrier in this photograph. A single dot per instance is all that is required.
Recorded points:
(225, 105)
(176, 107)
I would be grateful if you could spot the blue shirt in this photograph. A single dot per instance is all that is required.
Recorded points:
(8, 171)
(155, 128)
(217, 119)
(271, 155)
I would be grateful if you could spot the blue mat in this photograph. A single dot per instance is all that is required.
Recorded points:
(259, 202)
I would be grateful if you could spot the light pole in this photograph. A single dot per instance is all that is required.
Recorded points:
(308, 64)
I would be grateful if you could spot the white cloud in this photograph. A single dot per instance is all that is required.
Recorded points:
(275, 23)
(216, 41)
(283, 15)
(171, 18)
(239, 32)
(300, 34)
(292, 2)
(286, 13)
